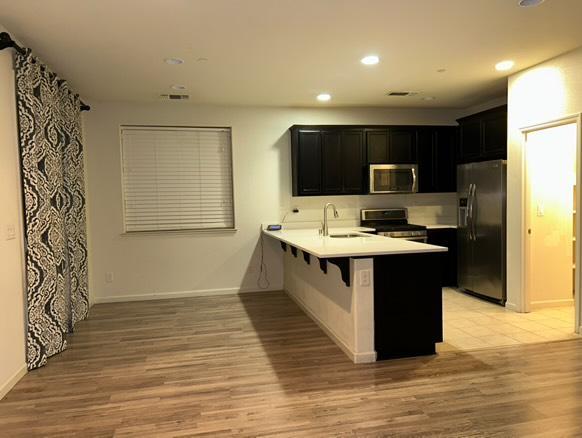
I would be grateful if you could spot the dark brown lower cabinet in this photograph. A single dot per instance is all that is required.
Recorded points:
(408, 318)
(446, 237)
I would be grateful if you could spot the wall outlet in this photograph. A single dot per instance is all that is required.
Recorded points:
(365, 277)
(109, 277)
(10, 232)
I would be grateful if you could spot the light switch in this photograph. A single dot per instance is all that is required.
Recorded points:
(540, 210)
(10, 232)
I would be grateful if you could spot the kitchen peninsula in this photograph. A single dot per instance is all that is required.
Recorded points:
(375, 296)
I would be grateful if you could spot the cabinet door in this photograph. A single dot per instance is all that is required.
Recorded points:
(309, 163)
(401, 145)
(331, 162)
(470, 140)
(494, 128)
(377, 146)
(426, 160)
(446, 237)
(444, 170)
(353, 165)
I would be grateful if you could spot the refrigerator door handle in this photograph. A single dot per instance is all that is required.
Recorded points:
(470, 211)
(473, 221)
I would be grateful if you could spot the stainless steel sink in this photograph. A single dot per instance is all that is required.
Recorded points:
(345, 236)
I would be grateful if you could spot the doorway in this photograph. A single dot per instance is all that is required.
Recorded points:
(551, 221)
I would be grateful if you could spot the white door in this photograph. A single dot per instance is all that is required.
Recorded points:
(550, 190)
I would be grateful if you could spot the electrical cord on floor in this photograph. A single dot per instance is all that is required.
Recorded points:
(263, 280)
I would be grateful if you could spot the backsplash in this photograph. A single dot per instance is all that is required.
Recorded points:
(423, 208)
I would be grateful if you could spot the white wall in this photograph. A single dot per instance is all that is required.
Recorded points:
(12, 339)
(186, 263)
(543, 93)
(493, 103)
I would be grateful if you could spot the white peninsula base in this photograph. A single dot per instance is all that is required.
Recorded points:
(345, 313)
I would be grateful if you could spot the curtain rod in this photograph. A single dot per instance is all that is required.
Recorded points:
(6, 41)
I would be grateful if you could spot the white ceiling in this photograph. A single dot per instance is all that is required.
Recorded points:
(285, 52)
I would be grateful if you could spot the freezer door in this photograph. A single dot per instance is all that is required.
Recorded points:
(488, 229)
(464, 243)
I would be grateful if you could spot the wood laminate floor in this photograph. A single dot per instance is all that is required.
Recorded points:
(255, 365)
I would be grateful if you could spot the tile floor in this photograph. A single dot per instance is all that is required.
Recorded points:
(471, 324)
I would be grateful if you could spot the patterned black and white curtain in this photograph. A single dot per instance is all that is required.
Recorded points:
(51, 155)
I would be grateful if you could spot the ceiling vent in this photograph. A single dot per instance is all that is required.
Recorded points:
(401, 93)
(174, 96)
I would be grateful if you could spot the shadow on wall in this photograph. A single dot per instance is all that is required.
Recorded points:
(272, 258)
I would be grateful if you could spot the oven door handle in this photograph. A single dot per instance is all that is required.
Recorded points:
(417, 239)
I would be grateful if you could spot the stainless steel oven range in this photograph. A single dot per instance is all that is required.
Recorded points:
(392, 222)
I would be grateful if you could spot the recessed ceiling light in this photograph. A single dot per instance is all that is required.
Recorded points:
(174, 61)
(324, 97)
(428, 98)
(178, 87)
(504, 65)
(528, 3)
(370, 60)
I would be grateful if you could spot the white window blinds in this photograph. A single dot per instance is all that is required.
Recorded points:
(176, 178)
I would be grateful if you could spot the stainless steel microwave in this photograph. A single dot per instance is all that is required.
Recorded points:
(393, 178)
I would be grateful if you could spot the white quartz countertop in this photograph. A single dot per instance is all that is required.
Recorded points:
(310, 241)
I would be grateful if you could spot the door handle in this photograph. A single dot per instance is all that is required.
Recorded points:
(466, 218)
(473, 222)
(470, 211)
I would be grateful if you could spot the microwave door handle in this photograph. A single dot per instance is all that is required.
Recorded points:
(414, 181)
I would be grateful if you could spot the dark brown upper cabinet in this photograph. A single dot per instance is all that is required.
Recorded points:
(353, 162)
(377, 145)
(307, 156)
(483, 136)
(436, 159)
(333, 160)
(328, 161)
(402, 145)
(394, 145)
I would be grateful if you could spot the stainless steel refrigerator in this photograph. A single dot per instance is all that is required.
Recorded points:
(481, 196)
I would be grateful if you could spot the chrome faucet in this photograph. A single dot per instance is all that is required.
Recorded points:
(325, 229)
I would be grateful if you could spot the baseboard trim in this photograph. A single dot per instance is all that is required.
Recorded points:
(9, 384)
(364, 357)
(545, 304)
(179, 294)
(511, 306)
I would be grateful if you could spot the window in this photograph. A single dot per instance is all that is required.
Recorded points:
(176, 178)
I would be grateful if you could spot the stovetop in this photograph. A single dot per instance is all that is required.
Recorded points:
(384, 227)
(386, 220)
